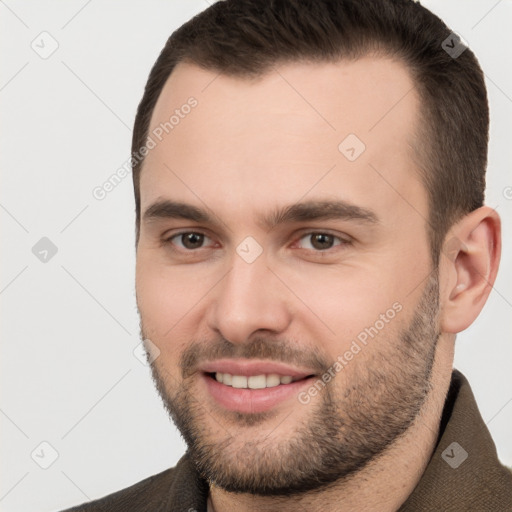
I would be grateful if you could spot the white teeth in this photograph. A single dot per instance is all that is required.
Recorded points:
(254, 381)
(273, 380)
(239, 381)
(257, 382)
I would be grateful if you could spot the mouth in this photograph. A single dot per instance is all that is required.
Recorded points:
(252, 387)
(261, 381)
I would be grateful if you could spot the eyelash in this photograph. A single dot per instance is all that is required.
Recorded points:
(342, 241)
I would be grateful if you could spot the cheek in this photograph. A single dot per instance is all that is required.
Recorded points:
(162, 311)
(156, 300)
(157, 306)
(169, 300)
(347, 303)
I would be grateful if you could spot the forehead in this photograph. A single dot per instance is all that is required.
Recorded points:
(279, 136)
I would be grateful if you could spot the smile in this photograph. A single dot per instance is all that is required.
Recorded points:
(254, 381)
(253, 386)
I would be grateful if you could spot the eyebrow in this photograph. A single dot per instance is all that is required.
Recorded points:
(298, 212)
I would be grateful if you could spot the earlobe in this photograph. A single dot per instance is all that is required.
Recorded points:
(471, 259)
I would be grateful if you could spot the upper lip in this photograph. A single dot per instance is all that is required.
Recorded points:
(251, 367)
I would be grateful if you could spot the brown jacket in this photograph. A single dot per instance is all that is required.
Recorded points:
(464, 473)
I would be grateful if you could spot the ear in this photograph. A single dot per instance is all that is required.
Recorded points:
(469, 264)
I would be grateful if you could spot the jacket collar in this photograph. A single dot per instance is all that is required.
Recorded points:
(464, 472)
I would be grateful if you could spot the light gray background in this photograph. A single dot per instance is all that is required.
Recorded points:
(69, 326)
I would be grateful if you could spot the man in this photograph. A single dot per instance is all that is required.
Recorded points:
(311, 235)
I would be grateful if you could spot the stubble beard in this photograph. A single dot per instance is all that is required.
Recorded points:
(340, 434)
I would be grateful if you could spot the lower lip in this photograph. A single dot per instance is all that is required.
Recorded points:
(252, 400)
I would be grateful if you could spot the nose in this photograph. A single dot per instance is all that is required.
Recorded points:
(250, 298)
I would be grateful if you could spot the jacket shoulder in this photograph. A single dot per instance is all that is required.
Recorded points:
(148, 494)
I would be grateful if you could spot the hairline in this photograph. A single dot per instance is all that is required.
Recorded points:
(422, 158)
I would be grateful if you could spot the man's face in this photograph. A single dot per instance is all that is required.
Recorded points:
(305, 255)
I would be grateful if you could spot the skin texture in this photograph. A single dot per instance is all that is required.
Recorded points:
(249, 148)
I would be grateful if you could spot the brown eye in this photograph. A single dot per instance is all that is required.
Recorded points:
(189, 240)
(320, 241)
(192, 240)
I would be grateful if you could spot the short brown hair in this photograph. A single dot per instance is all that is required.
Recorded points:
(246, 38)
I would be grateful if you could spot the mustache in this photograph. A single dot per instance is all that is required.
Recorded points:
(258, 348)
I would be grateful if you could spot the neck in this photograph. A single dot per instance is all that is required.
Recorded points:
(385, 483)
